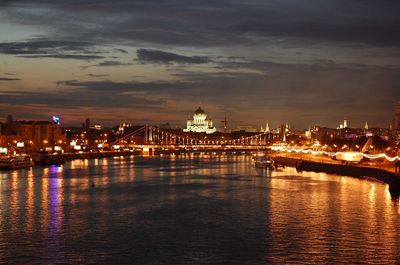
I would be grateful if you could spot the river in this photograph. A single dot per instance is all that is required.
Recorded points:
(193, 209)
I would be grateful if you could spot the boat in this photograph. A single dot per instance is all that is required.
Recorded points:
(15, 162)
(44, 159)
(263, 162)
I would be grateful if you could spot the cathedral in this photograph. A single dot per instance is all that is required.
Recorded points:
(200, 123)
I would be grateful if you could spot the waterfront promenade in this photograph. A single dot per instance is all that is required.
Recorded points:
(384, 165)
(308, 162)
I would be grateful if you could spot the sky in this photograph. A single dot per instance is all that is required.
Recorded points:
(305, 62)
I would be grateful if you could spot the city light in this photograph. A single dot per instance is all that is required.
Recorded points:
(348, 156)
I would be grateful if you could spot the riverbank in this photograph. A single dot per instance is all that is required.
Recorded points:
(360, 171)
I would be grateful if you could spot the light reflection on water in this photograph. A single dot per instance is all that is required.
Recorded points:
(193, 209)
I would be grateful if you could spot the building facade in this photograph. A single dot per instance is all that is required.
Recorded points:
(34, 134)
(200, 123)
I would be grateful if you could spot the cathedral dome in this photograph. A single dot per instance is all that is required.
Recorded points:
(199, 111)
(200, 123)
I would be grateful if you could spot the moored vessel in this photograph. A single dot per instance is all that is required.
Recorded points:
(15, 162)
(263, 162)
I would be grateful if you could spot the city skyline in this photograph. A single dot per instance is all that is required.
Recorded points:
(231, 125)
(156, 61)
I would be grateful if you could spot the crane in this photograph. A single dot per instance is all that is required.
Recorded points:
(225, 123)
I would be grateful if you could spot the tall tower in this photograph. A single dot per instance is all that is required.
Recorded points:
(345, 123)
(366, 127)
(396, 120)
(283, 133)
(87, 124)
(9, 119)
(267, 127)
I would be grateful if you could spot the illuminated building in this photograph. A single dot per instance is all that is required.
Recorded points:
(200, 123)
(96, 127)
(307, 133)
(343, 125)
(34, 134)
(123, 126)
(266, 130)
(283, 131)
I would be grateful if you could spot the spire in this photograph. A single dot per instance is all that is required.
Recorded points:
(366, 126)
(287, 127)
(267, 127)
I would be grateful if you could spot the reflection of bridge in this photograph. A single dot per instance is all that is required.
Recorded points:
(154, 137)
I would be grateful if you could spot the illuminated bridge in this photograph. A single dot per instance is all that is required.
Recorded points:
(152, 137)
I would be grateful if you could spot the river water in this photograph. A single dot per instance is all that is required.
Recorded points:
(193, 209)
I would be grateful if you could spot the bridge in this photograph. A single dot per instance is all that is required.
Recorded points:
(152, 137)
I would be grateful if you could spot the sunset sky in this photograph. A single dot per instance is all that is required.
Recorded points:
(305, 62)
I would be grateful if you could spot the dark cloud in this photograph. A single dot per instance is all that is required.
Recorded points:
(51, 49)
(121, 50)
(9, 79)
(368, 31)
(64, 56)
(97, 75)
(217, 23)
(156, 56)
(43, 47)
(112, 63)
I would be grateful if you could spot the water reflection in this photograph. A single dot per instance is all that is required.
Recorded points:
(30, 203)
(196, 209)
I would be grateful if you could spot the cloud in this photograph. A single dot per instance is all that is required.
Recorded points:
(367, 31)
(214, 23)
(121, 50)
(65, 56)
(112, 63)
(76, 99)
(156, 56)
(9, 79)
(96, 75)
(40, 48)
(154, 87)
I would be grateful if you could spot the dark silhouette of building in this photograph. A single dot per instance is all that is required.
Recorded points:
(396, 119)
(9, 119)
